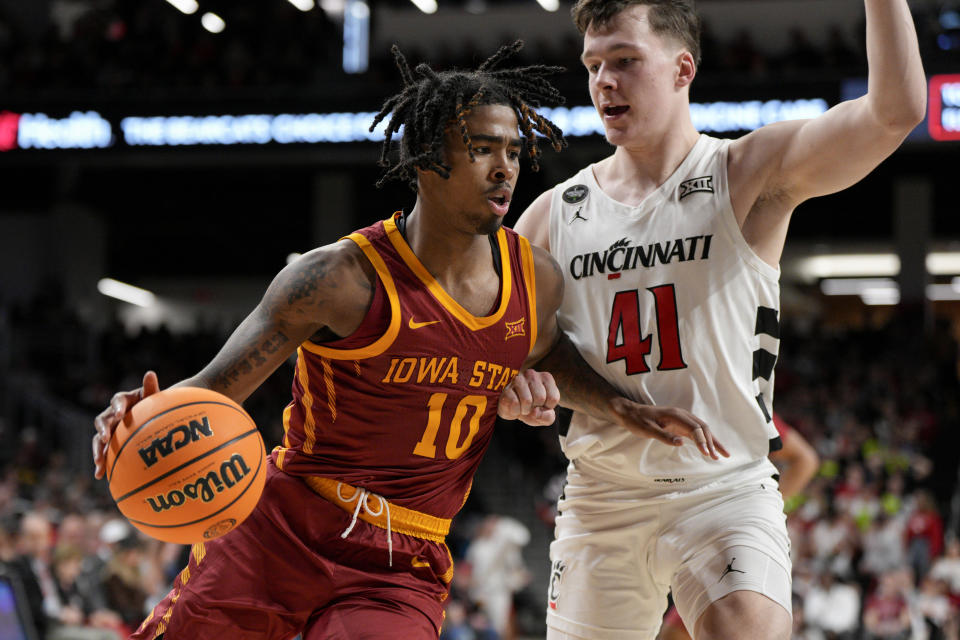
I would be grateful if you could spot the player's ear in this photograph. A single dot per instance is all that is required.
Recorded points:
(423, 177)
(686, 68)
(426, 178)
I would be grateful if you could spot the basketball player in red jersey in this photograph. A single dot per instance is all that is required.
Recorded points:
(406, 333)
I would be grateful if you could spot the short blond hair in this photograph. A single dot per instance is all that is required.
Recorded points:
(676, 18)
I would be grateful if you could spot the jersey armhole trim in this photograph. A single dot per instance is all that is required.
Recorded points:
(384, 341)
(530, 280)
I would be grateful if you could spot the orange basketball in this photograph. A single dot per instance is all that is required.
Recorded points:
(186, 465)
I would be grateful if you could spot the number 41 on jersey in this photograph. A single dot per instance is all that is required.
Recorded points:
(624, 341)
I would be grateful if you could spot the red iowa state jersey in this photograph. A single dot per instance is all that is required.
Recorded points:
(408, 414)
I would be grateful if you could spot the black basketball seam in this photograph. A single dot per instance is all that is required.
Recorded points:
(185, 464)
(184, 524)
(186, 404)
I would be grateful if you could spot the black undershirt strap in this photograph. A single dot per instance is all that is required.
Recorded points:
(494, 247)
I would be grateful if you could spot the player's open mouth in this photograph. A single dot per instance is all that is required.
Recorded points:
(500, 204)
(613, 111)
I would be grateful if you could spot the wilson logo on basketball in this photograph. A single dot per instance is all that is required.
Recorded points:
(206, 488)
(176, 438)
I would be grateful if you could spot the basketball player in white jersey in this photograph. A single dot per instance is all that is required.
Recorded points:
(670, 248)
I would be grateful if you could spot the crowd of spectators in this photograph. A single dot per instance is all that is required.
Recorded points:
(875, 546)
(111, 47)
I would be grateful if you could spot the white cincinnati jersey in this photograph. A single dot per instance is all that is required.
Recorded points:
(668, 302)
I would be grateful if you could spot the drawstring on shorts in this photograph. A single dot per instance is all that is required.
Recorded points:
(364, 502)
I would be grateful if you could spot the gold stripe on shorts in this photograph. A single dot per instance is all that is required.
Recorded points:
(402, 520)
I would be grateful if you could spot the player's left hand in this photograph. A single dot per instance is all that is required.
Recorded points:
(530, 397)
(669, 425)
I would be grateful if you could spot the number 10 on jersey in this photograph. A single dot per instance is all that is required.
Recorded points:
(427, 448)
(624, 341)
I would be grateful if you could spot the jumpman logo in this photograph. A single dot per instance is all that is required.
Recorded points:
(577, 215)
(730, 569)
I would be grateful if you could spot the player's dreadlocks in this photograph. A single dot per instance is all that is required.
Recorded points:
(429, 104)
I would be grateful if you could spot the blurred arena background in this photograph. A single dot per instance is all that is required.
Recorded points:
(189, 147)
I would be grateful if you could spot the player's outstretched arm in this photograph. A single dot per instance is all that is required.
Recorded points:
(330, 287)
(583, 389)
(777, 167)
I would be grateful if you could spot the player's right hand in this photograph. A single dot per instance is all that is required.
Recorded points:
(669, 425)
(531, 397)
(106, 423)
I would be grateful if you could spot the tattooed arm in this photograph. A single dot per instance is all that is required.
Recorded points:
(326, 291)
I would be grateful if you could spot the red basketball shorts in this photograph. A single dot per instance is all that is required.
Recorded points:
(286, 570)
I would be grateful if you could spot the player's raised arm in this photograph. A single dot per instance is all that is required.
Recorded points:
(779, 166)
(328, 288)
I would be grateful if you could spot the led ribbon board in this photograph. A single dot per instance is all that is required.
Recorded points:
(90, 130)
(943, 119)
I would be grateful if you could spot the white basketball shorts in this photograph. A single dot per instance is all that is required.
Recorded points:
(615, 557)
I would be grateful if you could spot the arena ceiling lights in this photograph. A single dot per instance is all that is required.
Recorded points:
(126, 292)
(872, 265)
(212, 22)
(849, 265)
(188, 7)
(885, 291)
(549, 5)
(209, 20)
(302, 5)
(427, 6)
(871, 276)
(872, 291)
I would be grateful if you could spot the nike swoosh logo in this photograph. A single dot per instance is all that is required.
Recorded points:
(418, 325)
(416, 562)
